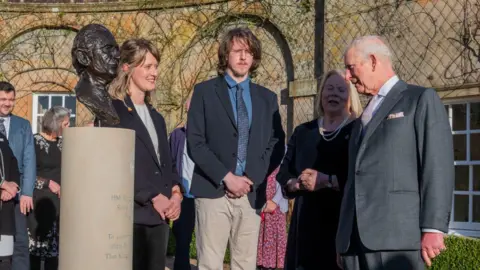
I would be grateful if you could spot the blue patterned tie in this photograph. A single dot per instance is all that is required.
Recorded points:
(242, 125)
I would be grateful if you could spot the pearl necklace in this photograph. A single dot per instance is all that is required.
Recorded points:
(333, 134)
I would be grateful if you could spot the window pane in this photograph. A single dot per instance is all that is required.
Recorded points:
(459, 145)
(57, 101)
(461, 178)
(42, 104)
(475, 115)
(476, 177)
(475, 146)
(39, 124)
(476, 209)
(70, 103)
(459, 117)
(461, 208)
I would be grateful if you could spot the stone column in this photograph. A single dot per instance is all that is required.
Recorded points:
(96, 214)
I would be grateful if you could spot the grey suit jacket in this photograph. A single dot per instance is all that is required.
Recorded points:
(20, 138)
(401, 173)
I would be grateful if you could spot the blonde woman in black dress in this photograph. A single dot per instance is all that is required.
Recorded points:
(314, 172)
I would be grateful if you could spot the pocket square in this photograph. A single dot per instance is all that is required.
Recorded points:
(395, 115)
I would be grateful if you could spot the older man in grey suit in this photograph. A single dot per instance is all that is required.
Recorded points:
(397, 199)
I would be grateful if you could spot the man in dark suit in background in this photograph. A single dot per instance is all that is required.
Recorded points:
(236, 139)
(398, 196)
(20, 138)
(9, 187)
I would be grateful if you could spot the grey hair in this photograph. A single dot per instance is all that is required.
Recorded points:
(53, 118)
(368, 45)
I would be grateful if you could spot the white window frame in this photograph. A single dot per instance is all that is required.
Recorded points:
(469, 228)
(35, 113)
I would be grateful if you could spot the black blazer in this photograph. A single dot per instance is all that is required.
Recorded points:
(7, 214)
(212, 139)
(401, 173)
(151, 177)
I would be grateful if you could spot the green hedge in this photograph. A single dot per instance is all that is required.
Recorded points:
(461, 254)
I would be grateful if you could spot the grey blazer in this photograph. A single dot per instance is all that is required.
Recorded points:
(401, 173)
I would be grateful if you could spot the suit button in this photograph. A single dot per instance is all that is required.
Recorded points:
(235, 135)
(166, 185)
(233, 154)
(357, 172)
(157, 173)
(163, 165)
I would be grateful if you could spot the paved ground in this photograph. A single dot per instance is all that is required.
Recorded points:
(193, 263)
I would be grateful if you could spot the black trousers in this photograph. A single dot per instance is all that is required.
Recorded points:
(6, 263)
(150, 246)
(21, 255)
(49, 263)
(359, 257)
(182, 230)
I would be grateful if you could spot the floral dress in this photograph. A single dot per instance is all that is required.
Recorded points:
(43, 222)
(272, 240)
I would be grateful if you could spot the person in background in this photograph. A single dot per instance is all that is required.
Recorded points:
(157, 191)
(272, 240)
(9, 188)
(184, 226)
(43, 222)
(314, 172)
(20, 138)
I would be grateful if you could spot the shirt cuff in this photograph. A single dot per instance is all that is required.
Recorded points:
(431, 231)
(278, 194)
(279, 199)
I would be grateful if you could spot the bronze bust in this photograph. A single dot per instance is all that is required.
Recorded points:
(95, 56)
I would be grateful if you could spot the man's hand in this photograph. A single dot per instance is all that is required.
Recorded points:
(161, 204)
(230, 195)
(10, 187)
(339, 261)
(26, 204)
(432, 246)
(174, 210)
(6, 196)
(270, 207)
(237, 186)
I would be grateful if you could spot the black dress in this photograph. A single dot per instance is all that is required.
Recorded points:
(313, 227)
(43, 228)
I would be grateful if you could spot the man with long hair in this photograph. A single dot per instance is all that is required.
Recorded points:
(236, 139)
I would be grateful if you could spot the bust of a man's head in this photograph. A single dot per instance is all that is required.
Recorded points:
(95, 51)
(95, 57)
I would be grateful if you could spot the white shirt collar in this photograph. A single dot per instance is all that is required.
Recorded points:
(388, 85)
